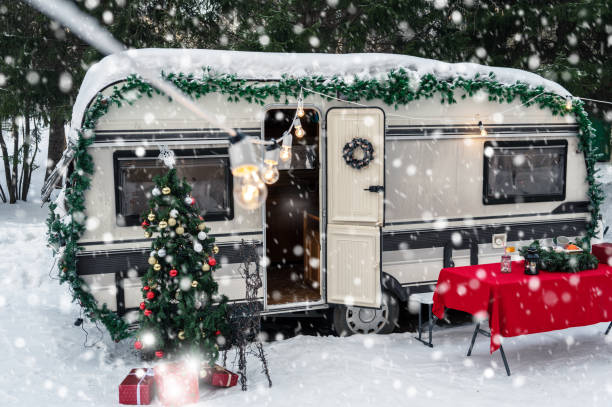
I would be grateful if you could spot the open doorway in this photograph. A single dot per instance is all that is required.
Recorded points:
(292, 214)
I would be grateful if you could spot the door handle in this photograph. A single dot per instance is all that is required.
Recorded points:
(375, 188)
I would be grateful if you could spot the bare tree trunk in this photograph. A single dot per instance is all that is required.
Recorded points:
(57, 142)
(7, 168)
(13, 185)
(28, 176)
(25, 163)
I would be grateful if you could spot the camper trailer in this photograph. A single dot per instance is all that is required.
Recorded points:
(448, 184)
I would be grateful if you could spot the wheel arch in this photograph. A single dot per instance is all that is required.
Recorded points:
(390, 284)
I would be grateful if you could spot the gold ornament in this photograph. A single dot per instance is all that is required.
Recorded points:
(163, 224)
(179, 230)
(216, 249)
(203, 334)
(152, 260)
(205, 267)
(171, 222)
(157, 267)
(202, 226)
(181, 335)
(147, 234)
(166, 190)
(151, 217)
(194, 284)
(153, 286)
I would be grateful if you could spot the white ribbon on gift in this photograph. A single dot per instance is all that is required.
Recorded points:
(146, 372)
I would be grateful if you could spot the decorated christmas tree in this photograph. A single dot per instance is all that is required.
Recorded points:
(181, 311)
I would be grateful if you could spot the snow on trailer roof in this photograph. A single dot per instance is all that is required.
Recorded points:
(272, 66)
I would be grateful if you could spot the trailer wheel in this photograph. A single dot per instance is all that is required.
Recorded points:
(358, 320)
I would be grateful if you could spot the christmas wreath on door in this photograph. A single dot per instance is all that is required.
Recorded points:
(367, 153)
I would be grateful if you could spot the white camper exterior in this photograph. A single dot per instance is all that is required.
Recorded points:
(330, 239)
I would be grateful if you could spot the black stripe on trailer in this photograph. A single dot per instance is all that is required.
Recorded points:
(482, 234)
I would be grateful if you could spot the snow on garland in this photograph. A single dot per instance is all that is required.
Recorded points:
(348, 153)
(397, 89)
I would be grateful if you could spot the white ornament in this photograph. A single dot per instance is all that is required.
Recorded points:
(156, 192)
(174, 213)
(197, 247)
(153, 253)
(202, 235)
(161, 252)
(188, 200)
(167, 156)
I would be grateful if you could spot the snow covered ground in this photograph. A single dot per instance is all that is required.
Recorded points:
(44, 363)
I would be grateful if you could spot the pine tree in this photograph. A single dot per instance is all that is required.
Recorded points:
(181, 311)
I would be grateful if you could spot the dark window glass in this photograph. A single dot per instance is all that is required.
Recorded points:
(209, 178)
(524, 171)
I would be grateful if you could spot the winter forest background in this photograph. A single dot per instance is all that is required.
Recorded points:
(42, 64)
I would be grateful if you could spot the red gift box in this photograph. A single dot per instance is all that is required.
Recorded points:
(218, 376)
(177, 384)
(137, 387)
(603, 252)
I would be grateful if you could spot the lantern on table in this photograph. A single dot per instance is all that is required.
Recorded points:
(532, 260)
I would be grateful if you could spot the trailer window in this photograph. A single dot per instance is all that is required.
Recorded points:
(209, 177)
(524, 171)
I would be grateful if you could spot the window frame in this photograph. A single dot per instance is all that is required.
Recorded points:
(486, 200)
(206, 153)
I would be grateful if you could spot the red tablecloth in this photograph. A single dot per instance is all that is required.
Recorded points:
(518, 304)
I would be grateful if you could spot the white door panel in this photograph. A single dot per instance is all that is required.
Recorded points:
(353, 265)
(355, 214)
(348, 202)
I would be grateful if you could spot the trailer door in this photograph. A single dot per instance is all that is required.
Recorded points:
(355, 205)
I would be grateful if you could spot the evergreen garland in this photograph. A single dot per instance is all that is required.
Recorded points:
(394, 90)
(551, 260)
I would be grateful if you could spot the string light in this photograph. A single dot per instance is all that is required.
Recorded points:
(299, 130)
(271, 157)
(483, 131)
(300, 105)
(285, 151)
(250, 191)
(568, 102)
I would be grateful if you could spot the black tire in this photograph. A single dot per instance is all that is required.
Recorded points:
(358, 320)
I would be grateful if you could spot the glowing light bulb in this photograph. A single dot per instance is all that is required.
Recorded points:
(148, 339)
(299, 130)
(285, 153)
(300, 111)
(483, 131)
(568, 103)
(270, 174)
(250, 191)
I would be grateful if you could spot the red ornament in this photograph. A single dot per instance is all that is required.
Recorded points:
(138, 345)
(218, 333)
(144, 224)
(192, 201)
(142, 305)
(212, 262)
(150, 295)
(173, 273)
(145, 288)
(159, 354)
(148, 312)
(200, 217)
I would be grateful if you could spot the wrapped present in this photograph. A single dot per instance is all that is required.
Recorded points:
(137, 387)
(177, 384)
(603, 252)
(218, 376)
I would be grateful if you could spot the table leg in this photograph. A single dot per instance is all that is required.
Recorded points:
(420, 321)
(474, 338)
(503, 354)
(608, 330)
(432, 321)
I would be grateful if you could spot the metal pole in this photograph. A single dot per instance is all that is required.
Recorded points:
(474, 339)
